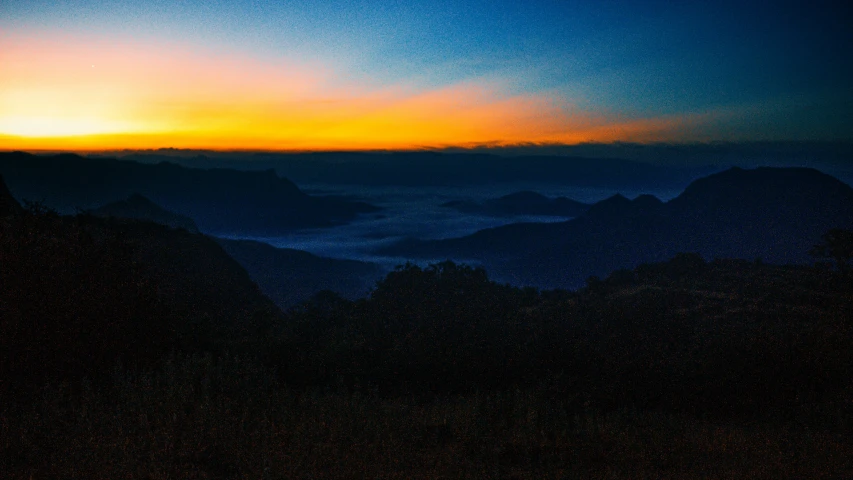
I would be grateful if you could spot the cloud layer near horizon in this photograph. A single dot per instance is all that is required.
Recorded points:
(91, 93)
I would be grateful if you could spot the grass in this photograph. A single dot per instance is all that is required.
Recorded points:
(200, 418)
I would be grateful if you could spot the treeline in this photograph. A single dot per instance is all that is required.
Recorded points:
(131, 347)
(723, 337)
(731, 339)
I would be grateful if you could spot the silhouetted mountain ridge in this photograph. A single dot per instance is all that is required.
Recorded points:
(218, 200)
(138, 207)
(192, 274)
(83, 293)
(521, 203)
(775, 214)
(286, 276)
(290, 277)
(429, 168)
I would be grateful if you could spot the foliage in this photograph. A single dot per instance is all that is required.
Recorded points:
(73, 303)
(653, 372)
(730, 339)
(201, 418)
(439, 328)
(838, 246)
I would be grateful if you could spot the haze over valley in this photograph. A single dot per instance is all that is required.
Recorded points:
(426, 239)
(546, 230)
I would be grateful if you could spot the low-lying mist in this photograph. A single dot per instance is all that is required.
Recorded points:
(417, 212)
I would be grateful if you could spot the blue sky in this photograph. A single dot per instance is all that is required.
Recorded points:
(749, 71)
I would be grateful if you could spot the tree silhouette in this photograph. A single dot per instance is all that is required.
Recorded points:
(437, 296)
(838, 246)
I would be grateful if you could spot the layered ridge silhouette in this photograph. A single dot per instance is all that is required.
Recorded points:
(521, 203)
(773, 214)
(218, 200)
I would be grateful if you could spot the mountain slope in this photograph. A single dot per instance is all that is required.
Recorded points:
(218, 200)
(445, 168)
(290, 277)
(287, 276)
(83, 293)
(775, 214)
(138, 207)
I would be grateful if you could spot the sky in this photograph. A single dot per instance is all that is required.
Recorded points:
(344, 75)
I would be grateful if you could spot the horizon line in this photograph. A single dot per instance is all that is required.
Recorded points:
(443, 149)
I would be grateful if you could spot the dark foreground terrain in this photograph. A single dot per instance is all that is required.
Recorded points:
(114, 365)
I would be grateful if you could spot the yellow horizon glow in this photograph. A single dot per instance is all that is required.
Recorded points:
(71, 93)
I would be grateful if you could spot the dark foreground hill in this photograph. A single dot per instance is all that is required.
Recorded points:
(82, 294)
(290, 277)
(287, 276)
(729, 337)
(218, 200)
(775, 214)
(681, 369)
(133, 350)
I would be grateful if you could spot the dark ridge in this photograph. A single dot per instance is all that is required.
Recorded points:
(775, 214)
(82, 294)
(290, 277)
(138, 207)
(194, 274)
(218, 200)
(617, 204)
(521, 203)
(524, 197)
(730, 190)
(647, 201)
(428, 168)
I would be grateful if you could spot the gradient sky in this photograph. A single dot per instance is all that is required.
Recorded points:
(252, 74)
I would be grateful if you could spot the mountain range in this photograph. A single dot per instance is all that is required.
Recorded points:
(287, 276)
(772, 214)
(440, 168)
(137, 207)
(218, 200)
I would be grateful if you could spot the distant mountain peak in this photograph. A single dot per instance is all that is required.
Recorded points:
(524, 196)
(525, 202)
(616, 198)
(615, 204)
(762, 185)
(647, 200)
(775, 214)
(139, 199)
(138, 207)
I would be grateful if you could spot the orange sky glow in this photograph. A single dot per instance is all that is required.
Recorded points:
(74, 93)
